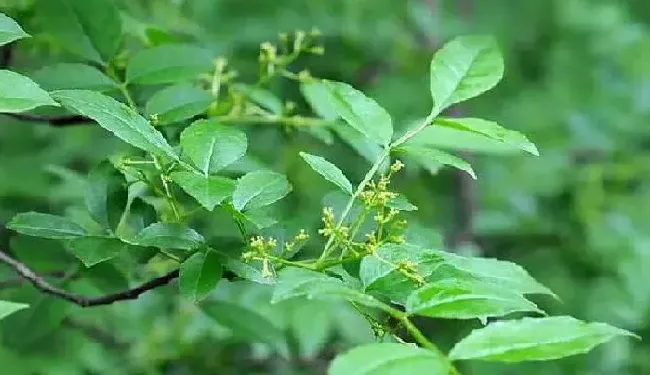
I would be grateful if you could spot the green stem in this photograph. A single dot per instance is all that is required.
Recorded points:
(129, 100)
(409, 134)
(371, 173)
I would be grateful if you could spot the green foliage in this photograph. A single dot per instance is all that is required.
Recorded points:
(199, 275)
(328, 170)
(7, 308)
(10, 30)
(529, 339)
(212, 146)
(117, 118)
(387, 359)
(258, 189)
(215, 188)
(177, 103)
(45, 225)
(19, 93)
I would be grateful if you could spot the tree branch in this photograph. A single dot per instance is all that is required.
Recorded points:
(55, 121)
(45, 287)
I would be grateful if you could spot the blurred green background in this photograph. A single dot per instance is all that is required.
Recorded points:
(577, 82)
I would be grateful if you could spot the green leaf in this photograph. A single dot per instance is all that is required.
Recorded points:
(244, 322)
(297, 282)
(380, 272)
(10, 30)
(445, 138)
(328, 170)
(259, 189)
(168, 63)
(389, 359)
(106, 195)
(464, 68)
(117, 118)
(491, 130)
(66, 76)
(360, 112)
(213, 146)
(264, 98)
(506, 275)
(319, 98)
(199, 275)
(209, 191)
(45, 226)
(177, 103)
(244, 270)
(400, 203)
(426, 156)
(169, 236)
(464, 299)
(91, 29)
(7, 308)
(534, 339)
(362, 145)
(19, 93)
(94, 250)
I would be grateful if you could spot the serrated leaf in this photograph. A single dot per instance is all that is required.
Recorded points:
(10, 30)
(94, 250)
(389, 359)
(328, 170)
(264, 98)
(168, 63)
(212, 146)
(177, 103)
(91, 29)
(6, 307)
(169, 236)
(199, 275)
(318, 97)
(426, 156)
(19, 93)
(464, 68)
(258, 189)
(360, 112)
(360, 143)
(380, 272)
(209, 191)
(445, 138)
(45, 226)
(491, 130)
(505, 274)
(106, 195)
(117, 118)
(465, 299)
(66, 76)
(297, 282)
(534, 339)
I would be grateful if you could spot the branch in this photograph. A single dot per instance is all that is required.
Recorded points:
(45, 287)
(55, 121)
(18, 280)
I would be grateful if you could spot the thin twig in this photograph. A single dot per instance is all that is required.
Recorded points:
(45, 287)
(55, 121)
(18, 280)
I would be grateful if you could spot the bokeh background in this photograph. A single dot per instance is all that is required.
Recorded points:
(577, 82)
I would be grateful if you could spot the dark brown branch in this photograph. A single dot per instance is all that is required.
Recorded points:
(45, 287)
(56, 121)
(17, 281)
